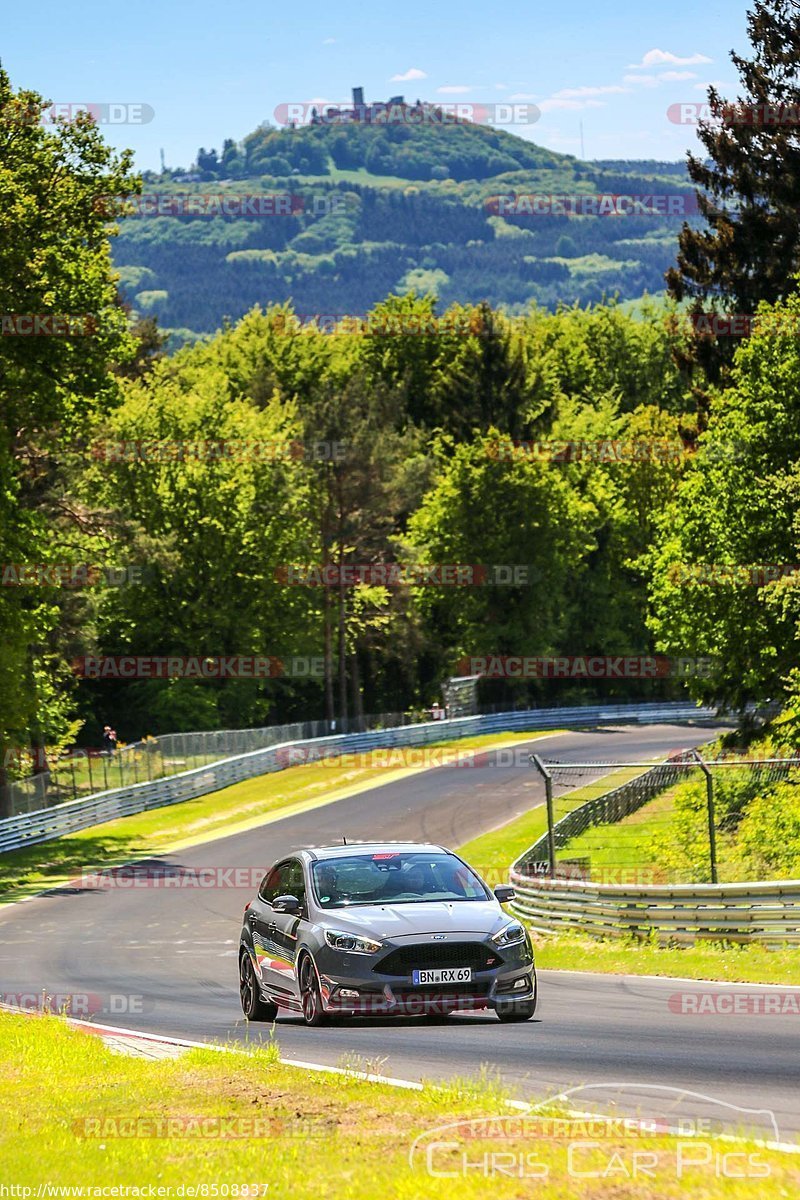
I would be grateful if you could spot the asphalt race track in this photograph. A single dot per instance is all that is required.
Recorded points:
(171, 954)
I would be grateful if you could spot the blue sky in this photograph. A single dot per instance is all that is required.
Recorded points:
(212, 70)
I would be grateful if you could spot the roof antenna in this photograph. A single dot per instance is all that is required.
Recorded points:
(344, 840)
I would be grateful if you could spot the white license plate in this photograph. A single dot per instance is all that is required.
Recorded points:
(445, 975)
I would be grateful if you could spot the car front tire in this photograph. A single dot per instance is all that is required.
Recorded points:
(516, 1012)
(253, 1006)
(310, 998)
(519, 1010)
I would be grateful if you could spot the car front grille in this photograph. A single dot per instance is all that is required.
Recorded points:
(441, 993)
(431, 956)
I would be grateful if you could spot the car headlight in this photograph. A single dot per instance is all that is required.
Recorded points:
(509, 935)
(339, 940)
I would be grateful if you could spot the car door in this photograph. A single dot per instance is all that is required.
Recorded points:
(262, 923)
(286, 926)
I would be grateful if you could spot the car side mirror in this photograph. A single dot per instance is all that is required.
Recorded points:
(286, 904)
(504, 892)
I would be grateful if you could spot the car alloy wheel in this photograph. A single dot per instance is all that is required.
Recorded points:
(313, 1012)
(253, 1007)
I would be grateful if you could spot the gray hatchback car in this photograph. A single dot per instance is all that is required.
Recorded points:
(376, 929)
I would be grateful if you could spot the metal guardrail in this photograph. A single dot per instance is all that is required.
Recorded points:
(85, 773)
(767, 911)
(27, 829)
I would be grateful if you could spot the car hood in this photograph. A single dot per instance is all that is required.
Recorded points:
(403, 920)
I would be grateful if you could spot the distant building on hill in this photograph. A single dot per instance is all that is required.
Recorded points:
(362, 113)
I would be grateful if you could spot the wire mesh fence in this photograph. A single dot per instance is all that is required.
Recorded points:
(683, 820)
(85, 772)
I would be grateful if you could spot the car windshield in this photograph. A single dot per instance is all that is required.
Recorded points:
(388, 877)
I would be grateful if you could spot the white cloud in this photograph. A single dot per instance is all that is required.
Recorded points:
(456, 89)
(573, 99)
(407, 76)
(522, 96)
(665, 58)
(581, 92)
(642, 80)
(556, 102)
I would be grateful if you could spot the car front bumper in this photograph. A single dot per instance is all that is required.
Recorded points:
(353, 985)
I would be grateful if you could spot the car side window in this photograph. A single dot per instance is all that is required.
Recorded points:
(295, 882)
(274, 883)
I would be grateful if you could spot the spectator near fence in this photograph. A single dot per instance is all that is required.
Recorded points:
(109, 740)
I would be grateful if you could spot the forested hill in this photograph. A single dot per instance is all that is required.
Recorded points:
(334, 217)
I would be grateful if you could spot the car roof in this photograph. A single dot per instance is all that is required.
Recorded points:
(340, 851)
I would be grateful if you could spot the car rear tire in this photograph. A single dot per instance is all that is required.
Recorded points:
(310, 998)
(253, 1006)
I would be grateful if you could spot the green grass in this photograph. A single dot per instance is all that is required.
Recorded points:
(623, 956)
(244, 805)
(70, 1109)
(493, 853)
(626, 845)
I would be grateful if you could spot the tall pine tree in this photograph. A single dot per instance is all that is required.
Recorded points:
(749, 186)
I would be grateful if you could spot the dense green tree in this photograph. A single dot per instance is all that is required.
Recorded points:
(55, 270)
(720, 586)
(517, 519)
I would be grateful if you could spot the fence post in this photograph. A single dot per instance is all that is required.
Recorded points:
(548, 792)
(712, 833)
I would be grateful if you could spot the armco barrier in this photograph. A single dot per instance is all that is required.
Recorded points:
(767, 912)
(28, 829)
(763, 912)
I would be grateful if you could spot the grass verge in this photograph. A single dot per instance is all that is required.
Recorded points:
(726, 963)
(74, 1114)
(234, 809)
(493, 853)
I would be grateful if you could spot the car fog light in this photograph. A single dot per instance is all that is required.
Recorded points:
(519, 984)
(348, 994)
